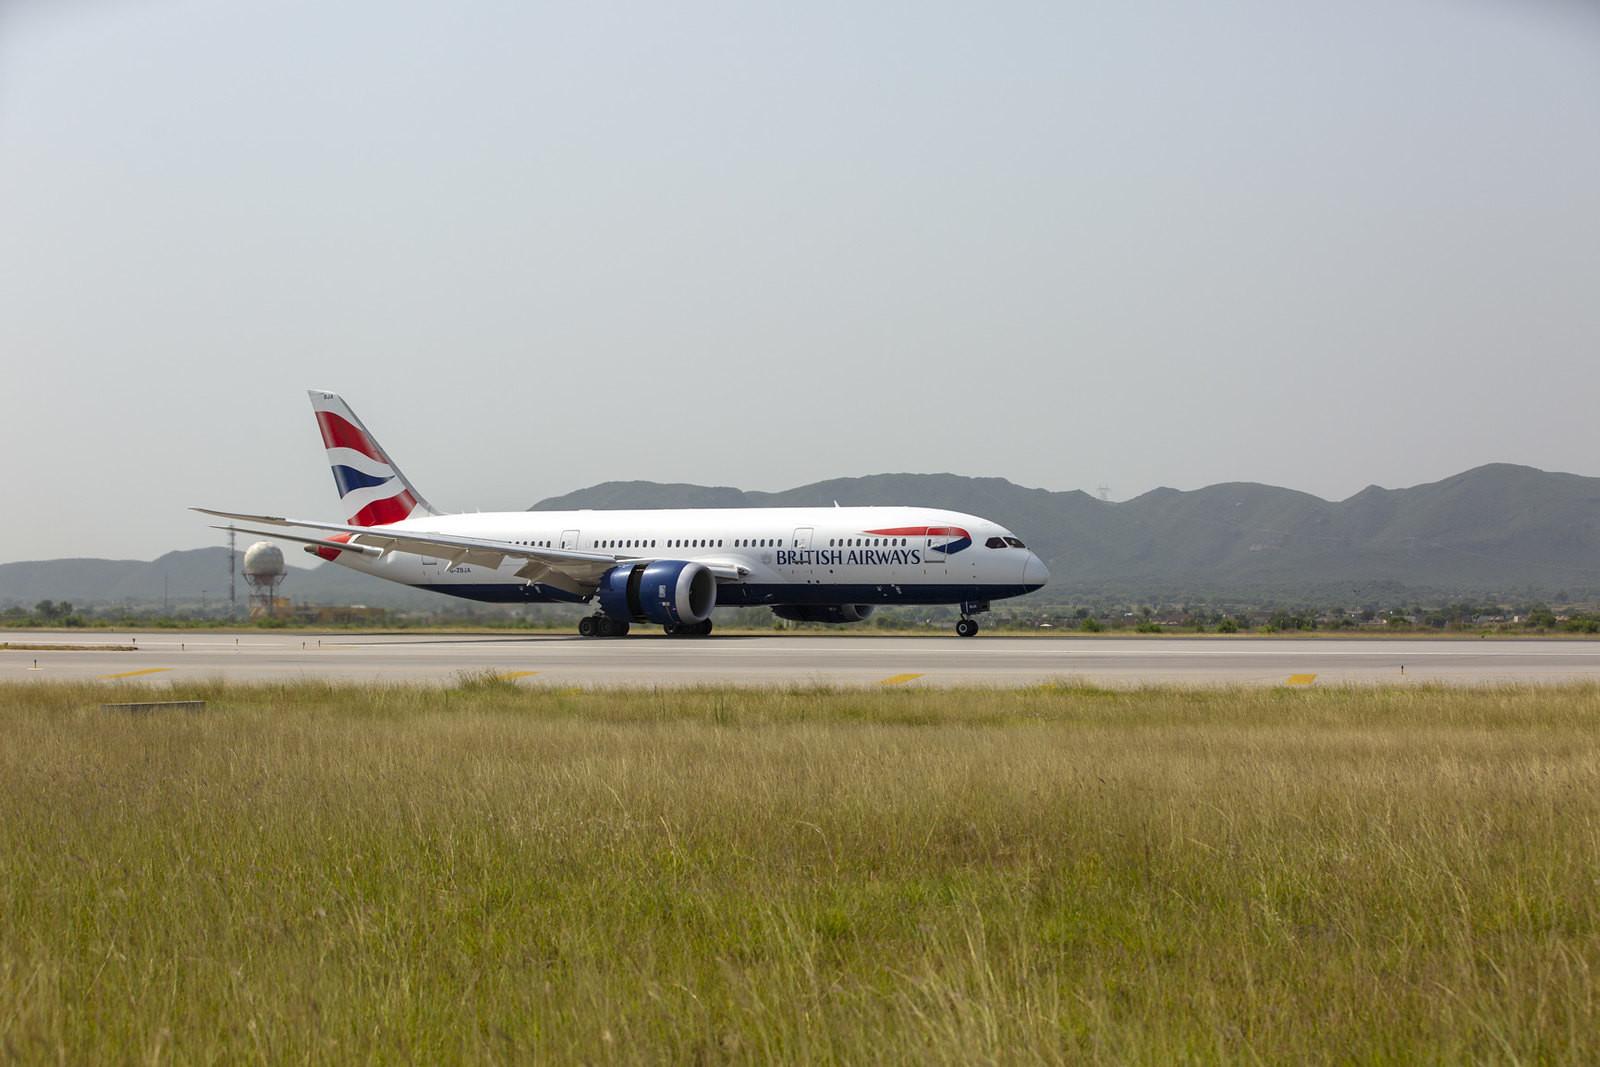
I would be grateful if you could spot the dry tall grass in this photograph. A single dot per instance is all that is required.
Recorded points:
(315, 873)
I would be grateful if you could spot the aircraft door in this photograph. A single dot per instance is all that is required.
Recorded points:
(569, 540)
(934, 559)
(802, 565)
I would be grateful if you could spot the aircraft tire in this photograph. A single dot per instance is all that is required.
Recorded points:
(967, 628)
(586, 626)
(671, 629)
(605, 626)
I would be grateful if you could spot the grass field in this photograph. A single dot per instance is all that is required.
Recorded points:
(311, 873)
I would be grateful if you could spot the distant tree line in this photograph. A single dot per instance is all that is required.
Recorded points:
(1020, 615)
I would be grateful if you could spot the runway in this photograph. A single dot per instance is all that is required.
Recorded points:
(163, 657)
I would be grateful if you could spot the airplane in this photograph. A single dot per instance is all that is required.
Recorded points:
(668, 566)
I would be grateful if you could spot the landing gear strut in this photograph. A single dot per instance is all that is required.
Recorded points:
(968, 627)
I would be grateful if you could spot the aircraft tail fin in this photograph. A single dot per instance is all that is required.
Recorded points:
(373, 490)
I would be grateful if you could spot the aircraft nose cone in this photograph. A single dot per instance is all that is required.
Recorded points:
(1034, 572)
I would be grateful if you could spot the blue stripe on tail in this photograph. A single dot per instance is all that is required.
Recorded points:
(348, 479)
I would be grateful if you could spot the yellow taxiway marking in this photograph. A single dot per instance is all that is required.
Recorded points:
(517, 674)
(900, 679)
(130, 674)
(1301, 679)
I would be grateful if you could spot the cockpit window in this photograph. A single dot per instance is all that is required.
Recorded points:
(1014, 543)
(995, 542)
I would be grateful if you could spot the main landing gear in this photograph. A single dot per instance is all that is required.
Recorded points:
(602, 626)
(968, 627)
(606, 626)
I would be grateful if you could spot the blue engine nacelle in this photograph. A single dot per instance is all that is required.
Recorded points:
(665, 591)
(824, 613)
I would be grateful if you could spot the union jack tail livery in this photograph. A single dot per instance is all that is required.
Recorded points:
(373, 490)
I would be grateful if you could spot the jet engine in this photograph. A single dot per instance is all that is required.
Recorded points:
(824, 613)
(667, 591)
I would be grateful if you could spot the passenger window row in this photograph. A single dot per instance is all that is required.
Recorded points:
(764, 542)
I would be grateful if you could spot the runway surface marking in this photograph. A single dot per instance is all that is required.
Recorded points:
(758, 660)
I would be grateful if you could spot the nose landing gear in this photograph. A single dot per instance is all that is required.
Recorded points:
(968, 627)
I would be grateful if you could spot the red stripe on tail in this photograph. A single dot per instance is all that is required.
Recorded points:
(383, 512)
(339, 433)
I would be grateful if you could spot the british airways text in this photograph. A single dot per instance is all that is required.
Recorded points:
(855, 557)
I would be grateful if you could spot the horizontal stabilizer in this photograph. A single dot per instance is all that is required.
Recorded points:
(320, 542)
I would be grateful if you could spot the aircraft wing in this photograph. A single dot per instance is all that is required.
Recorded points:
(576, 572)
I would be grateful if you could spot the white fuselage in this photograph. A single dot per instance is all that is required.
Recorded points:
(807, 556)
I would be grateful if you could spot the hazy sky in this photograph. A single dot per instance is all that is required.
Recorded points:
(542, 246)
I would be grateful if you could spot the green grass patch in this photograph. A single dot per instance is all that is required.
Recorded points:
(493, 872)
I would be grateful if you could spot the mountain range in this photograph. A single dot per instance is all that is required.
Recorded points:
(1497, 532)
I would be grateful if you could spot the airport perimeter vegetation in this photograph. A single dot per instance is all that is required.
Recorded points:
(1050, 874)
(1247, 608)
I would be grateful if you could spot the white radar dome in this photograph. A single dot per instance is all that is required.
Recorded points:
(263, 558)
